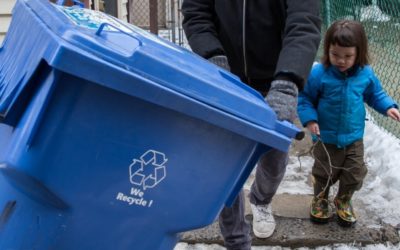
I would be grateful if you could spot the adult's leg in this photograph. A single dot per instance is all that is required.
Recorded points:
(269, 174)
(234, 228)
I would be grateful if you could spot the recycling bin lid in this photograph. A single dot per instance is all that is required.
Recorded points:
(109, 52)
(138, 51)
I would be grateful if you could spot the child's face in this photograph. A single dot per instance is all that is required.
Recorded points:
(342, 58)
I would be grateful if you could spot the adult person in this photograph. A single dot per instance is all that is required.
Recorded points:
(270, 45)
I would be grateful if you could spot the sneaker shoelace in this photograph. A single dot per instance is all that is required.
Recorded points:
(264, 213)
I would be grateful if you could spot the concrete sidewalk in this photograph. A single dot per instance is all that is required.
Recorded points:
(294, 228)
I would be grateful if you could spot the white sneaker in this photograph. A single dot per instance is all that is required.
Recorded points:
(263, 220)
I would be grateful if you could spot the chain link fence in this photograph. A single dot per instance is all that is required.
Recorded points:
(162, 17)
(381, 19)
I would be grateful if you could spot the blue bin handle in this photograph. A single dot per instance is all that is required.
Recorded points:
(290, 130)
(103, 25)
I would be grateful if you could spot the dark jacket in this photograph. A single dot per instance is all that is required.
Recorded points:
(269, 38)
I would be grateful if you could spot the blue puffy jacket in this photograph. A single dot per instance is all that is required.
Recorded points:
(336, 102)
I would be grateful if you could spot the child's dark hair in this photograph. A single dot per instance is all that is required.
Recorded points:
(347, 33)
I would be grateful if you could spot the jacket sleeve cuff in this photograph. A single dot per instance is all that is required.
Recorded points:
(289, 76)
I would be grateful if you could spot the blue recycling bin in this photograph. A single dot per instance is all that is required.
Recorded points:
(111, 138)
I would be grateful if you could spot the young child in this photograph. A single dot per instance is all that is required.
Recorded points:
(331, 106)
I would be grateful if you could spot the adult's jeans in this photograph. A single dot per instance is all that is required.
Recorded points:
(269, 173)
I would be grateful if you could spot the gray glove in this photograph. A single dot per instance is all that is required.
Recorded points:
(282, 98)
(221, 61)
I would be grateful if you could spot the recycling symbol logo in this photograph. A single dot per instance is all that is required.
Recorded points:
(149, 170)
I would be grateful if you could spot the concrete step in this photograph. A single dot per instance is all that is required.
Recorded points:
(294, 228)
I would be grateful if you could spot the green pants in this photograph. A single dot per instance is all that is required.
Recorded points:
(348, 168)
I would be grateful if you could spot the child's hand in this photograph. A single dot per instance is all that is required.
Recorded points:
(313, 127)
(394, 114)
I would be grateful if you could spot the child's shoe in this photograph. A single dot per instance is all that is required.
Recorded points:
(344, 211)
(320, 210)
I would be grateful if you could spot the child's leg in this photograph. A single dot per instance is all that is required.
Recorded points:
(351, 180)
(321, 187)
(323, 177)
(320, 211)
(325, 172)
(355, 170)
